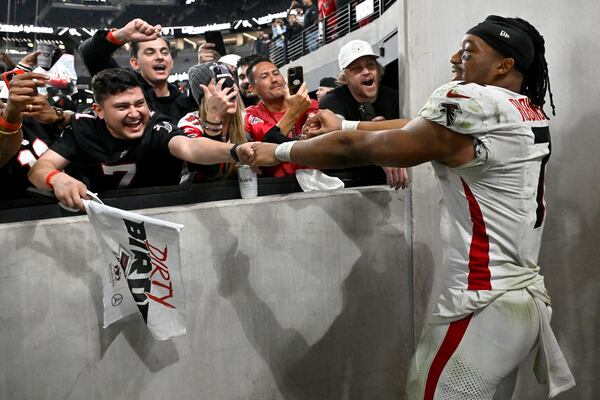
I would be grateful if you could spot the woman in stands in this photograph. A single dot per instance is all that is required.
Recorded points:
(219, 117)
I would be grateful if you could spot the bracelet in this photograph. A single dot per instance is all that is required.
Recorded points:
(24, 67)
(111, 38)
(9, 125)
(283, 152)
(60, 114)
(8, 133)
(50, 176)
(233, 153)
(350, 125)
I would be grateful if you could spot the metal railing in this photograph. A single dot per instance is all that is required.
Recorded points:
(343, 21)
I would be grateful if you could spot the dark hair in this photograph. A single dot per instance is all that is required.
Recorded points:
(253, 63)
(135, 47)
(246, 60)
(536, 81)
(112, 81)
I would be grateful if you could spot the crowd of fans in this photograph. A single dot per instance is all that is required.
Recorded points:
(143, 131)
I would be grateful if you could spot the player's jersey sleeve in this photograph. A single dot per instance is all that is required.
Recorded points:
(459, 107)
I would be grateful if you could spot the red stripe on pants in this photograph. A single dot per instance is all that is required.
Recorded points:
(479, 252)
(455, 333)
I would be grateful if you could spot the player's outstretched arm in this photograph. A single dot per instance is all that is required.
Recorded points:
(207, 151)
(47, 173)
(418, 142)
(327, 121)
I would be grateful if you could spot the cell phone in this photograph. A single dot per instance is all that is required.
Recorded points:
(216, 38)
(295, 79)
(220, 71)
(8, 75)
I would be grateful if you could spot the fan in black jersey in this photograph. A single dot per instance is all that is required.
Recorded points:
(41, 125)
(123, 145)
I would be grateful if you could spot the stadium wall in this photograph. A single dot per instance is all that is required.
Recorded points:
(294, 296)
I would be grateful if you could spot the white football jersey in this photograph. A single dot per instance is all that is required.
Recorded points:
(492, 210)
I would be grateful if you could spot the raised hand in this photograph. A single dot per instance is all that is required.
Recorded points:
(137, 30)
(298, 103)
(219, 100)
(23, 90)
(207, 53)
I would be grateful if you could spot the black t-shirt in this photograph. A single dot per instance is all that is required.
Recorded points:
(13, 175)
(341, 102)
(105, 162)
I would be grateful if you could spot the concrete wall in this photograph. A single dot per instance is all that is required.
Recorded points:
(570, 251)
(300, 297)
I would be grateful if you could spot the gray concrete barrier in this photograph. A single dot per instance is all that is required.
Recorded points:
(287, 297)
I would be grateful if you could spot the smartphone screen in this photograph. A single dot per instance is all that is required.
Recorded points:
(216, 38)
(295, 79)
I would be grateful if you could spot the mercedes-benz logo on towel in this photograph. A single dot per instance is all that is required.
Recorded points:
(116, 300)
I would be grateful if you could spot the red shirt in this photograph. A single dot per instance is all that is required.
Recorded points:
(259, 120)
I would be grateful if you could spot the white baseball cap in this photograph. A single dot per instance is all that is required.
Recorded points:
(230, 59)
(352, 50)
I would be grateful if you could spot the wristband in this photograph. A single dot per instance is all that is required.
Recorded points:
(111, 38)
(233, 153)
(350, 125)
(10, 126)
(284, 150)
(50, 176)
(24, 67)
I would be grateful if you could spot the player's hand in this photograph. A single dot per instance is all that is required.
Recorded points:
(69, 190)
(207, 53)
(397, 178)
(298, 103)
(322, 122)
(264, 155)
(219, 100)
(245, 152)
(137, 30)
(23, 90)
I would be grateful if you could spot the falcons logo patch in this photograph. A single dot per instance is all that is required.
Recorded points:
(164, 125)
(255, 120)
(450, 109)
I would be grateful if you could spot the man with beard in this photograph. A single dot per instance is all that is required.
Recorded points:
(248, 98)
(123, 145)
(150, 59)
(488, 140)
(360, 97)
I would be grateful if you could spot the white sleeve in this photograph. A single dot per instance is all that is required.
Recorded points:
(459, 107)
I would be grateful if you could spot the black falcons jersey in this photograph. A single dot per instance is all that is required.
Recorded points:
(105, 162)
(13, 175)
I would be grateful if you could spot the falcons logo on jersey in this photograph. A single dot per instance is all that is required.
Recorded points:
(255, 120)
(450, 109)
(164, 125)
